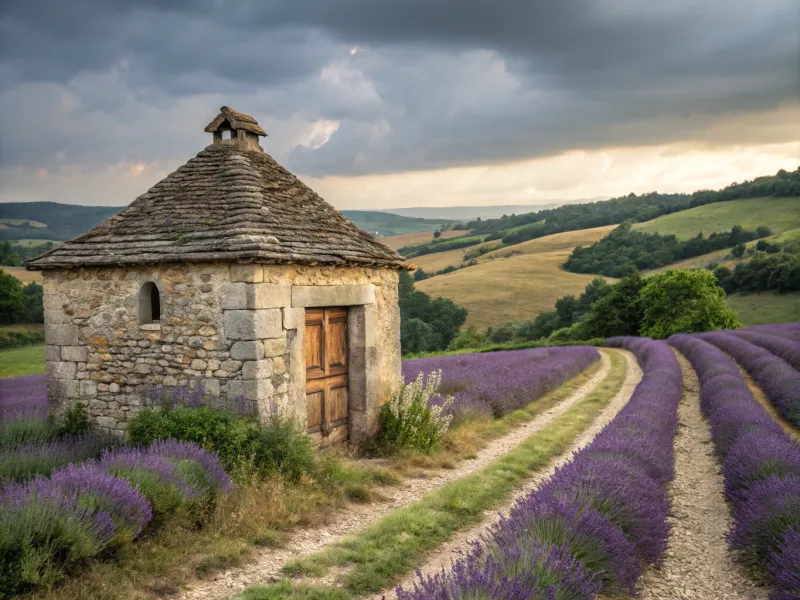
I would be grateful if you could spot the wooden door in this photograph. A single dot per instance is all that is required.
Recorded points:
(326, 372)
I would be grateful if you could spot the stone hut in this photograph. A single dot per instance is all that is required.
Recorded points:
(232, 274)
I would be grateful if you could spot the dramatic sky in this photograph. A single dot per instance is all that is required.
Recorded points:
(390, 103)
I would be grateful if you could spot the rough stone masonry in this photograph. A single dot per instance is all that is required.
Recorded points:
(235, 329)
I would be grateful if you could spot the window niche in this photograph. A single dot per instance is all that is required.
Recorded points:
(149, 305)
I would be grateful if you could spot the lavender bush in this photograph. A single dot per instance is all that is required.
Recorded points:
(497, 383)
(774, 375)
(591, 526)
(43, 531)
(760, 464)
(784, 348)
(172, 475)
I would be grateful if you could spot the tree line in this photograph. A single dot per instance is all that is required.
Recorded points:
(625, 251)
(20, 303)
(657, 307)
(634, 208)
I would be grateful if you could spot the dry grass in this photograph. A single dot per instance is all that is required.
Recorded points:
(23, 275)
(420, 237)
(440, 260)
(557, 241)
(519, 287)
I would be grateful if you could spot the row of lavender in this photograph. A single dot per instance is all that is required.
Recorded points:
(594, 524)
(761, 463)
(68, 498)
(497, 383)
(770, 360)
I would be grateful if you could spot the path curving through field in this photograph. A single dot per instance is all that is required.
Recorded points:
(266, 565)
(444, 557)
(698, 564)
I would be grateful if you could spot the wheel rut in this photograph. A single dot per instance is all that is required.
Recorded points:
(265, 566)
(698, 563)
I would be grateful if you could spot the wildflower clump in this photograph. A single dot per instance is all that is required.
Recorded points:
(417, 416)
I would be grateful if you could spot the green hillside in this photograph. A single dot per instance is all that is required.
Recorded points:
(779, 214)
(385, 224)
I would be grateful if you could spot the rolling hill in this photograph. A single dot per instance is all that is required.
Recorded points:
(45, 221)
(500, 289)
(779, 214)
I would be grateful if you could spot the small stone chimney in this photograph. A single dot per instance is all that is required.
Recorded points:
(239, 129)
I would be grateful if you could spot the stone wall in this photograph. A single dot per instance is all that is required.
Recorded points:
(235, 329)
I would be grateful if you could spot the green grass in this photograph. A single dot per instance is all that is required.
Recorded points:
(764, 308)
(375, 557)
(17, 362)
(286, 591)
(779, 214)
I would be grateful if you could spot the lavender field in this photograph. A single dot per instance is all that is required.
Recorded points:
(497, 383)
(595, 527)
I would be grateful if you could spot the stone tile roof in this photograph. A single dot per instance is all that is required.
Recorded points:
(227, 203)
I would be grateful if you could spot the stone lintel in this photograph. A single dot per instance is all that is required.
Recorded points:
(304, 296)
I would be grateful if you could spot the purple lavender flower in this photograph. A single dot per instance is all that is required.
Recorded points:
(23, 398)
(779, 380)
(551, 574)
(129, 509)
(770, 509)
(591, 537)
(496, 383)
(784, 567)
(212, 477)
(754, 457)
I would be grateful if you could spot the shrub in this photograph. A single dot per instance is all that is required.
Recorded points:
(242, 443)
(414, 418)
(76, 420)
(172, 475)
(43, 532)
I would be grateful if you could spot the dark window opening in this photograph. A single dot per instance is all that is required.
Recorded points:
(155, 304)
(149, 305)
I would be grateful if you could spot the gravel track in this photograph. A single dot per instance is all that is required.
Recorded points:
(449, 551)
(266, 565)
(698, 564)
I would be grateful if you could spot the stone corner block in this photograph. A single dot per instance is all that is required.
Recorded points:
(60, 334)
(61, 370)
(252, 324)
(243, 296)
(257, 369)
(258, 390)
(249, 350)
(246, 273)
(74, 353)
(293, 318)
(332, 295)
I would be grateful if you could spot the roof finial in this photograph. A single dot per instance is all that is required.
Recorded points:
(239, 129)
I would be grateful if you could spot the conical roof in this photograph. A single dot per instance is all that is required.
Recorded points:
(229, 203)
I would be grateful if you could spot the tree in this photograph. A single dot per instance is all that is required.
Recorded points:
(415, 336)
(738, 250)
(437, 234)
(684, 302)
(442, 316)
(12, 299)
(419, 275)
(471, 337)
(618, 312)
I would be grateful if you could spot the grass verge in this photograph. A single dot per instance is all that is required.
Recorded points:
(374, 558)
(17, 362)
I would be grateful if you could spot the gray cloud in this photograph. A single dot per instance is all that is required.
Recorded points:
(434, 83)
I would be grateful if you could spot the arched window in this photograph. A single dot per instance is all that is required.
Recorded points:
(149, 304)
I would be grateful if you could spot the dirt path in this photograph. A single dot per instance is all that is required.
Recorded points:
(267, 564)
(698, 564)
(449, 551)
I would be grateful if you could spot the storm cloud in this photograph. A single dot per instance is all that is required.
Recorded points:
(364, 87)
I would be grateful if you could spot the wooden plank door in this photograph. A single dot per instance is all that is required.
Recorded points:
(326, 372)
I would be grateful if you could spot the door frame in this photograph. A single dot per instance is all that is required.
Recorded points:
(362, 359)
